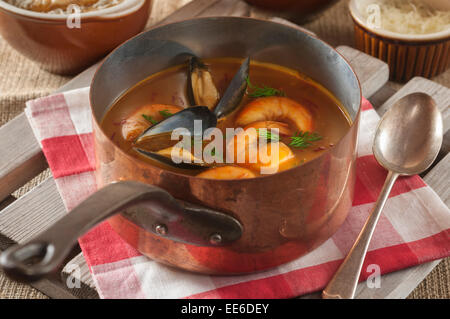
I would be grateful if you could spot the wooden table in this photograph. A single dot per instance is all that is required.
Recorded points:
(22, 161)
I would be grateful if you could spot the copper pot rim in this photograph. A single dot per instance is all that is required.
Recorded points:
(227, 181)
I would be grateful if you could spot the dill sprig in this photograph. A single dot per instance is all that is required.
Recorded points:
(149, 119)
(304, 139)
(266, 134)
(262, 91)
(300, 140)
(165, 113)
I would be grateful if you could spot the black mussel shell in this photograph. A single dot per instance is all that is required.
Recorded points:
(183, 119)
(158, 136)
(234, 92)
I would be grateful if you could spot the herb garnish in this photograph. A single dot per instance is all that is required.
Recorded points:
(300, 140)
(262, 91)
(165, 113)
(149, 119)
(304, 139)
(268, 135)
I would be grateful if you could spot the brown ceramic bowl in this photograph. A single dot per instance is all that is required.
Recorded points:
(46, 39)
(407, 55)
(296, 10)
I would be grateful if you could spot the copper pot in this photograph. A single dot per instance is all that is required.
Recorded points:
(283, 215)
(55, 46)
(214, 226)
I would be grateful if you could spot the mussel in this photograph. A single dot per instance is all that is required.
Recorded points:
(155, 142)
(234, 93)
(186, 119)
(164, 158)
(201, 87)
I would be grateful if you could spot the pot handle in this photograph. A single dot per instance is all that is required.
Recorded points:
(148, 206)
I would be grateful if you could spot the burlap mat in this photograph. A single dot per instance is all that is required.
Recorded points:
(22, 80)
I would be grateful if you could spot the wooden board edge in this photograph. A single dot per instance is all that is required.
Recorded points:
(18, 164)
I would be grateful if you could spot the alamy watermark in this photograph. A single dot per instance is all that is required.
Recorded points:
(74, 17)
(374, 279)
(73, 280)
(249, 146)
(373, 12)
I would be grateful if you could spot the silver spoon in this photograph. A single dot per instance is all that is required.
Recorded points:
(408, 139)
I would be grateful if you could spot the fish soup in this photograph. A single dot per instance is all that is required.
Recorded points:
(285, 117)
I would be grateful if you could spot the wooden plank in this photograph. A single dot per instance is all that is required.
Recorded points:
(32, 213)
(440, 94)
(18, 163)
(396, 285)
(192, 9)
(438, 179)
(446, 143)
(81, 80)
(372, 73)
(28, 216)
(226, 8)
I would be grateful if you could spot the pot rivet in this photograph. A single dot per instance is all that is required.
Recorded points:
(215, 239)
(161, 229)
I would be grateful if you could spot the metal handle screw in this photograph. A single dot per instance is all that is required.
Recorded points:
(215, 239)
(161, 229)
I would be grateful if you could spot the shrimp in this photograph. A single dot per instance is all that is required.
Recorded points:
(268, 158)
(275, 108)
(138, 121)
(227, 172)
(283, 128)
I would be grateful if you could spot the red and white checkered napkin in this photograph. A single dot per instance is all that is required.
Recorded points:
(414, 227)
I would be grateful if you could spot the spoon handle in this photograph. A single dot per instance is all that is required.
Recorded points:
(344, 282)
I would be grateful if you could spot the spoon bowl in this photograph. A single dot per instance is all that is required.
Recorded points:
(409, 136)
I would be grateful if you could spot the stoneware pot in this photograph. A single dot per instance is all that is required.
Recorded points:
(63, 48)
(408, 55)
